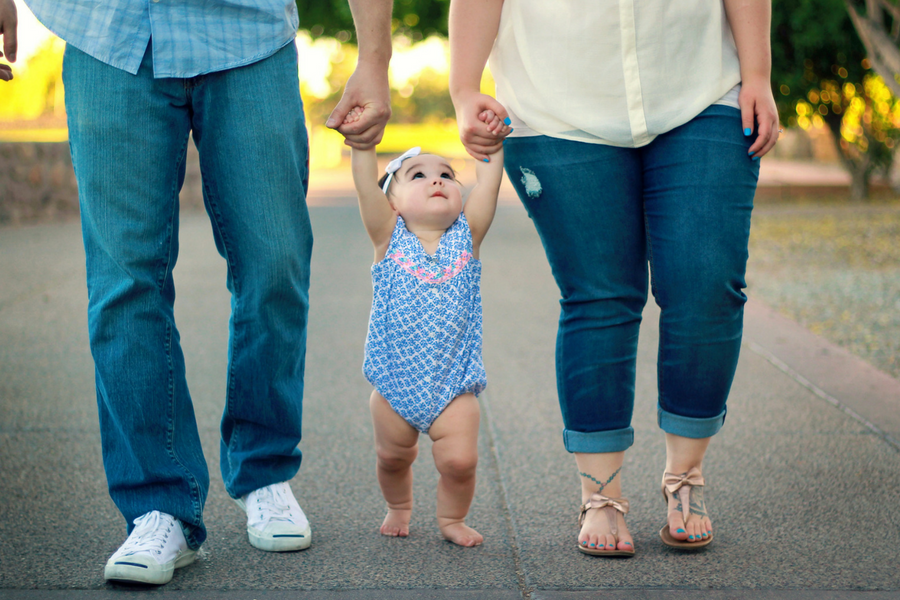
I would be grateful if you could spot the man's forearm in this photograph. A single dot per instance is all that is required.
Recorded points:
(373, 29)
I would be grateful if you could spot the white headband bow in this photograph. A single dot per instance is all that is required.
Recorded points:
(394, 166)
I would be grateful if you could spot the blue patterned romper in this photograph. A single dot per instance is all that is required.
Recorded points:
(424, 343)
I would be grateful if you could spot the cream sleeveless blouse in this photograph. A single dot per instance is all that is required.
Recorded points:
(617, 72)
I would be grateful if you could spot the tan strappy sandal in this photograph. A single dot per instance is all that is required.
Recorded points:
(610, 506)
(683, 489)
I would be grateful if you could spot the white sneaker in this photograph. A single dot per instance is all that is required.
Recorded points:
(275, 522)
(155, 548)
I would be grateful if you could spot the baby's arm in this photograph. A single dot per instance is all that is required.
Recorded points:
(378, 215)
(482, 202)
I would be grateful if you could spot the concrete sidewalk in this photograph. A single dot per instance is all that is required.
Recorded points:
(803, 481)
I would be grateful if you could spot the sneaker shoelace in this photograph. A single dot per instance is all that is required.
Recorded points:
(149, 535)
(273, 504)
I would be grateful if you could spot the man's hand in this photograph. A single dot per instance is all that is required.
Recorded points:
(8, 23)
(367, 89)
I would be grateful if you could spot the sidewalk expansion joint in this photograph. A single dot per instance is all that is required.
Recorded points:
(787, 370)
(525, 590)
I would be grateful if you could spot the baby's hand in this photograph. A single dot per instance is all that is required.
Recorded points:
(493, 122)
(354, 115)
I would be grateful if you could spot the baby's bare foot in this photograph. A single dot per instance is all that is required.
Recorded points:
(396, 522)
(459, 533)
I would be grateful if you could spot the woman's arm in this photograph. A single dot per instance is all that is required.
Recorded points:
(751, 23)
(473, 28)
(378, 215)
(482, 202)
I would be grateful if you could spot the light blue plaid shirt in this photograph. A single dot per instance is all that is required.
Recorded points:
(190, 37)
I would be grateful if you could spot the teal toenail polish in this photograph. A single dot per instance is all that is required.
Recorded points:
(747, 131)
(680, 531)
(627, 543)
(592, 545)
(690, 537)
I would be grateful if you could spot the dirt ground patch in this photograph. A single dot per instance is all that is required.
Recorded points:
(834, 267)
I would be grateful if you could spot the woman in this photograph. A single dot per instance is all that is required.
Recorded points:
(637, 133)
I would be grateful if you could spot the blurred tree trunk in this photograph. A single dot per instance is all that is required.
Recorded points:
(860, 168)
(881, 43)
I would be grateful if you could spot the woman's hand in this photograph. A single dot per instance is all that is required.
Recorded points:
(751, 24)
(8, 23)
(481, 135)
(759, 115)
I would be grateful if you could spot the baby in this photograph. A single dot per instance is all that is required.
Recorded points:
(423, 350)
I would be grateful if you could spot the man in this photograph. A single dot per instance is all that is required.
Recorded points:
(140, 77)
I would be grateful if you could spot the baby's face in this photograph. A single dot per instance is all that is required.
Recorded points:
(425, 191)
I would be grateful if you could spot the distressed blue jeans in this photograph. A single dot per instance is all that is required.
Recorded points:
(682, 206)
(128, 137)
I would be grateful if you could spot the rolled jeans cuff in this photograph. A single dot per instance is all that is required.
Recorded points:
(690, 427)
(594, 442)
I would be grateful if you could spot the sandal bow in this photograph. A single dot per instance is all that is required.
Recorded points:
(683, 483)
(598, 500)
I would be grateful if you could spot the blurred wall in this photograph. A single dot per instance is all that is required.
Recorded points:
(37, 183)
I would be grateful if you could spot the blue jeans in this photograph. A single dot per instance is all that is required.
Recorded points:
(682, 205)
(128, 136)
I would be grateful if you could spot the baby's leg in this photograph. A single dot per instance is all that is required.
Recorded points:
(455, 435)
(396, 445)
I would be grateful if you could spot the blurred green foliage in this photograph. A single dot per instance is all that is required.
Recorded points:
(812, 41)
(423, 98)
(417, 19)
(821, 76)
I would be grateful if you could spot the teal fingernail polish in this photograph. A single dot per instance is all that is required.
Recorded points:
(511, 129)
(751, 152)
(757, 157)
(747, 131)
(506, 121)
(487, 160)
